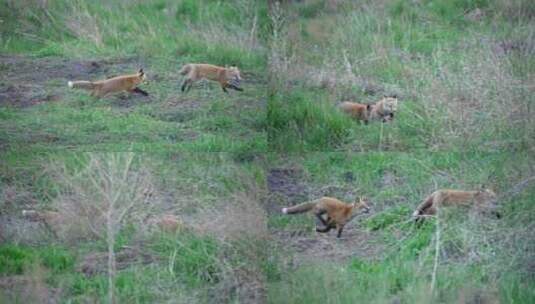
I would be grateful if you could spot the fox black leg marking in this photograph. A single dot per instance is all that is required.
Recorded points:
(322, 220)
(340, 231)
(236, 88)
(140, 91)
(224, 90)
(324, 230)
(186, 85)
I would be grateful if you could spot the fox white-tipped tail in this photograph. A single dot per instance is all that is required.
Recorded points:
(285, 210)
(69, 84)
(416, 213)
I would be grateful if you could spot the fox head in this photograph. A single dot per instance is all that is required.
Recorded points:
(234, 73)
(362, 204)
(389, 104)
(486, 195)
(488, 202)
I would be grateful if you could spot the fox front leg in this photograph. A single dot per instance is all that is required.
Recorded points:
(186, 85)
(140, 91)
(235, 88)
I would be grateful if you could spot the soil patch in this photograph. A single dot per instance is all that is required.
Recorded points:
(285, 188)
(29, 81)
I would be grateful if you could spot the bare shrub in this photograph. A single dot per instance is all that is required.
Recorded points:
(281, 57)
(100, 195)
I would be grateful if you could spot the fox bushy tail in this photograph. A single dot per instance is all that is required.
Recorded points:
(304, 207)
(88, 85)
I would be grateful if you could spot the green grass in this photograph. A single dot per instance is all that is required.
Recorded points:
(430, 53)
(17, 259)
(403, 268)
(463, 121)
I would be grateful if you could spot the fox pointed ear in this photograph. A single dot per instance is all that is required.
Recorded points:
(368, 106)
(395, 96)
(141, 72)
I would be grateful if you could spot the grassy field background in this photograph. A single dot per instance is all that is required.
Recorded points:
(463, 71)
(223, 165)
(80, 40)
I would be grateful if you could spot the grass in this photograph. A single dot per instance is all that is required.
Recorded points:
(463, 122)
(396, 183)
(456, 76)
(159, 36)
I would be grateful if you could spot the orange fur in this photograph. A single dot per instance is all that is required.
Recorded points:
(338, 212)
(449, 197)
(116, 84)
(356, 110)
(227, 77)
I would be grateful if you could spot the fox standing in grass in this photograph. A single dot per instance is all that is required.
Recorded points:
(227, 77)
(447, 197)
(116, 84)
(338, 212)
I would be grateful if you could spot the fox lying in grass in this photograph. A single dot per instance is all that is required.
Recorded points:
(116, 84)
(227, 77)
(447, 197)
(338, 212)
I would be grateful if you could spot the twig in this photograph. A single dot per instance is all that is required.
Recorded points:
(437, 250)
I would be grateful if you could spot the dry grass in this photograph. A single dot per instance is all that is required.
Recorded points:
(83, 25)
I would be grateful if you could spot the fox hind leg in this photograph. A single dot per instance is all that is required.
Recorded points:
(322, 220)
(325, 229)
(340, 228)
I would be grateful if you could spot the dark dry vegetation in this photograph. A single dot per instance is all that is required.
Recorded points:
(173, 222)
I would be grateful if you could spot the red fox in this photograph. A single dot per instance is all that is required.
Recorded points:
(116, 84)
(448, 197)
(227, 77)
(384, 109)
(356, 110)
(338, 212)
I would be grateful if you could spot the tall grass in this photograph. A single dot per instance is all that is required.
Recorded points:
(186, 30)
(461, 79)
(476, 257)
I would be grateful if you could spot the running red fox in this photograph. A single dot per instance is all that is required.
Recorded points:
(116, 84)
(338, 212)
(227, 77)
(448, 197)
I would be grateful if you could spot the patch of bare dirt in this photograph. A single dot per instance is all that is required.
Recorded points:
(28, 81)
(287, 187)
(284, 187)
